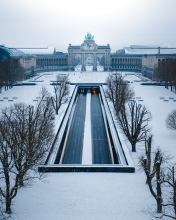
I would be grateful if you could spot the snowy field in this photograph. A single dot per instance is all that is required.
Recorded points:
(77, 196)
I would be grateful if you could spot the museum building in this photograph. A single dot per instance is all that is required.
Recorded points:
(89, 56)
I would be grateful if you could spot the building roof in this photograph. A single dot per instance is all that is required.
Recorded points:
(104, 47)
(34, 49)
(135, 49)
(6, 52)
(74, 46)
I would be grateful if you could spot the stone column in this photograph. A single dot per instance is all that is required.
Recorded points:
(107, 61)
(83, 61)
(95, 61)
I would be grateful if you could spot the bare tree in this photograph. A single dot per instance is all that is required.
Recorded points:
(61, 92)
(168, 181)
(133, 119)
(118, 91)
(2, 75)
(160, 179)
(10, 72)
(156, 171)
(165, 71)
(8, 176)
(148, 152)
(39, 134)
(171, 120)
(169, 178)
(2, 217)
(26, 133)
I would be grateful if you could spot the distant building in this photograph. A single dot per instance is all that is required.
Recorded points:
(126, 62)
(150, 56)
(88, 56)
(34, 49)
(6, 52)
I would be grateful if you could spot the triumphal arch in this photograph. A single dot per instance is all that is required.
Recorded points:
(89, 56)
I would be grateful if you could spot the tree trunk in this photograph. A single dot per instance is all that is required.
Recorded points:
(158, 188)
(8, 209)
(159, 205)
(174, 189)
(8, 205)
(7, 193)
(21, 183)
(133, 147)
(148, 147)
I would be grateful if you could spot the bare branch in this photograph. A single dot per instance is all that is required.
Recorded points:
(133, 120)
(26, 134)
(61, 92)
(171, 120)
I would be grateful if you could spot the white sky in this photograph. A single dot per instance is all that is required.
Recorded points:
(60, 22)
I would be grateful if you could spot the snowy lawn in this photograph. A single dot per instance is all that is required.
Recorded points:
(122, 196)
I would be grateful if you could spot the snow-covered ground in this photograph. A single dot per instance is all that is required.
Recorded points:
(122, 196)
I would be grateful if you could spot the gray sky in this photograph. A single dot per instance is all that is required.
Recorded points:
(60, 22)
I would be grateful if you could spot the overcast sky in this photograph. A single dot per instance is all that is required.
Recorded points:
(60, 22)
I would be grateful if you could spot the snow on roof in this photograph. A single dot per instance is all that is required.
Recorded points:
(9, 52)
(34, 49)
(136, 49)
(28, 46)
(16, 52)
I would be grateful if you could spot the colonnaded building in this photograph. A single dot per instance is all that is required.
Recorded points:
(88, 56)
